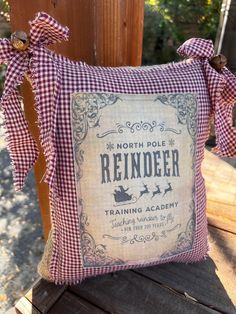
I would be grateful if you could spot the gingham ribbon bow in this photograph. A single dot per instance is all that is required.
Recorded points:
(222, 94)
(22, 147)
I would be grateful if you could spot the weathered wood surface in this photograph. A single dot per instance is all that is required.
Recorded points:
(102, 32)
(211, 282)
(204, 287)
(69, 303)
(130, 292)
(220, 181)
(25, 306)
(44, 295)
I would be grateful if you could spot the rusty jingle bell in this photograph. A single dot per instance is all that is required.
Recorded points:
(20, 40)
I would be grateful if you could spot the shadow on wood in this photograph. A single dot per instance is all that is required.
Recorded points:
(203, 287)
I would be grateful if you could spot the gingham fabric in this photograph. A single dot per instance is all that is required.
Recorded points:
(54, 79)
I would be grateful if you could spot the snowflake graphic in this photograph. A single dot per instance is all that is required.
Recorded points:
(171, 142)
(110, 146)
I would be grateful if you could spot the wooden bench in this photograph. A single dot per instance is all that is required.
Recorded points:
(205, 287)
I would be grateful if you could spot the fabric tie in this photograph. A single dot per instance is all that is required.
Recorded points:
(22, 147)
(222, 93)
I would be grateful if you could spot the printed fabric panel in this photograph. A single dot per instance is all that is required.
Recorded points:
(134, 157)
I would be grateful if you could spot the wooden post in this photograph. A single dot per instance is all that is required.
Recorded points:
(102, 32)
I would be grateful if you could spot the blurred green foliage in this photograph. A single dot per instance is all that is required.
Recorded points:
(168, 23)
(5, 10)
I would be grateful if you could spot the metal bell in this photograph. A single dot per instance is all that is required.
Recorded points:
(218, 62)
(20, 40)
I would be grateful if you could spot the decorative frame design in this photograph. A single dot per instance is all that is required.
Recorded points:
(142, 238)
(94, 255)
(86, 114)
(139, 126)
(184, 241)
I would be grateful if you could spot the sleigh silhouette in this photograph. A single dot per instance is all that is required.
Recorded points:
(123, 198)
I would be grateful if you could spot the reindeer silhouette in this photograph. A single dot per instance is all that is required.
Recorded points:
(157, 191)
(168, 189)
(145, 191)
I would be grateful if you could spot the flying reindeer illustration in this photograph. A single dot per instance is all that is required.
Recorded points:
(145, 191)
(157, 191)
(168, 189)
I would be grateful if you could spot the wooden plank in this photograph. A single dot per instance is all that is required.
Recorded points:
(44, 294)
(221, 222)
(24, 306)
(211, 282)
(220, 181)
(69, 303)
(129, 292)
(102, 32)
(223, 251)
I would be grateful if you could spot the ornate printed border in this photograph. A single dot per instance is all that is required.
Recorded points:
(94, 255)
(139, 126)
(86, 114)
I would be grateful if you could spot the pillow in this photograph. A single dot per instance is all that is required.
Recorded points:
(123, 148)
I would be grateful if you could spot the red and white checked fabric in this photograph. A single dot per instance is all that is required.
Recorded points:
(222, 94)
(54, 79)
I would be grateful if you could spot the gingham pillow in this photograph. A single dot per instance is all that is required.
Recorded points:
(123, 148)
